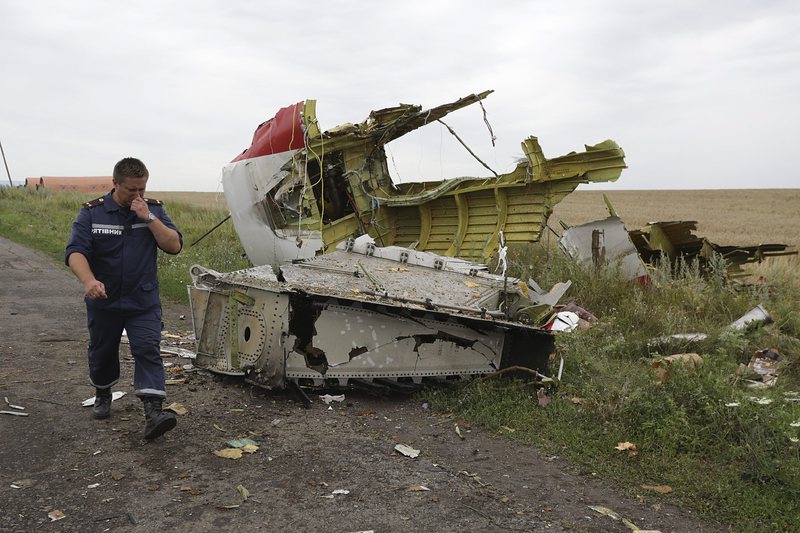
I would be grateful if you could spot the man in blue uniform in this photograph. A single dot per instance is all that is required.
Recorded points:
(112, 251)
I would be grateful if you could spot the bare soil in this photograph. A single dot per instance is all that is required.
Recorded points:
(104, 477)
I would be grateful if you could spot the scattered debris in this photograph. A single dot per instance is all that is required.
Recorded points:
(93, 486)
(760, 401)
(177, 408)
(661, 366)
(629, 446)
(672, 240)
(23, 483)
(408, 451)
(417, 488)
(763, 369)
(327, 398)
(542, 398)
(244, 492)
(116, 476)
(19, 407)
(229, 453)
(13, 413)
(564, 321)
(755, 316)
(661, 489)
(602, 244)
(615, 516)
(686, 338)
(248, 445)
(337, 492)
(116, 395)
(56, 515)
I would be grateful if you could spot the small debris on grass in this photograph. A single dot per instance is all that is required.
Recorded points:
(417, 488)
(327, 398)
(93, 486)
(458, 432)
(244, 492)
(56, 515)
(661, 489)
(408, 451)
(116, 476)
(542, 398)
(177, 408)
(661, 366)
(506, 428)
(577, 400)
(116, 395)
(732, 404)
(629, 446)
(760, 401)
(218, 428)
(504, 499)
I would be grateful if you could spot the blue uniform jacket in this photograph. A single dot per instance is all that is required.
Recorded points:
(121, 252)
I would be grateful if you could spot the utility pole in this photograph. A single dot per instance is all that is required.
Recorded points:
(10, 183)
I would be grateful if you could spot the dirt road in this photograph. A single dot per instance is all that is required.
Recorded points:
(104, 477)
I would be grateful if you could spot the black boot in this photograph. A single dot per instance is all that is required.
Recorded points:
(102, 404)
(157, 421)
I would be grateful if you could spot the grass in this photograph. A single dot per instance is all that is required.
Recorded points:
(737, 465)
(43, 220)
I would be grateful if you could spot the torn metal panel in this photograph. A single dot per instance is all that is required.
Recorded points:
(676, 239)
(367, 313)
(604, 242)
(297, 191)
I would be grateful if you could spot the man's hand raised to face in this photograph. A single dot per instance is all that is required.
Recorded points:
(139, 206)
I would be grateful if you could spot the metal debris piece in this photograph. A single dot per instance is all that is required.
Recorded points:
(321, 324)
(406, 450)
(229, 453)
(755, 316)
(298, 191)
(337, 492)
(604, 244)
(327, 398)
(116, 395)
(672, 240)
(661, 489)
(12, 405)
(177, 408)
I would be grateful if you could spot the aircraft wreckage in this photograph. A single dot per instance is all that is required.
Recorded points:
(361, 280)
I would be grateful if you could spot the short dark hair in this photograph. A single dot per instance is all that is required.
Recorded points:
(130, 167)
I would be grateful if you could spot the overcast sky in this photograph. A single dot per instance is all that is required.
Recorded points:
(699, 94)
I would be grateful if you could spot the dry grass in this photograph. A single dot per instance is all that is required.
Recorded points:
(727, 217)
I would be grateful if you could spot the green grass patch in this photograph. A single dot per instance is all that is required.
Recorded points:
(738, 465)
(42, 220)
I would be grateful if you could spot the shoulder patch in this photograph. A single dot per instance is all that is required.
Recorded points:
(153, 201)
(94, 203)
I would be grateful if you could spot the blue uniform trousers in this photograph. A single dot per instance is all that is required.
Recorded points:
(144, 334)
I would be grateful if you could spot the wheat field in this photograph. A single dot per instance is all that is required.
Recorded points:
(726, 216)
